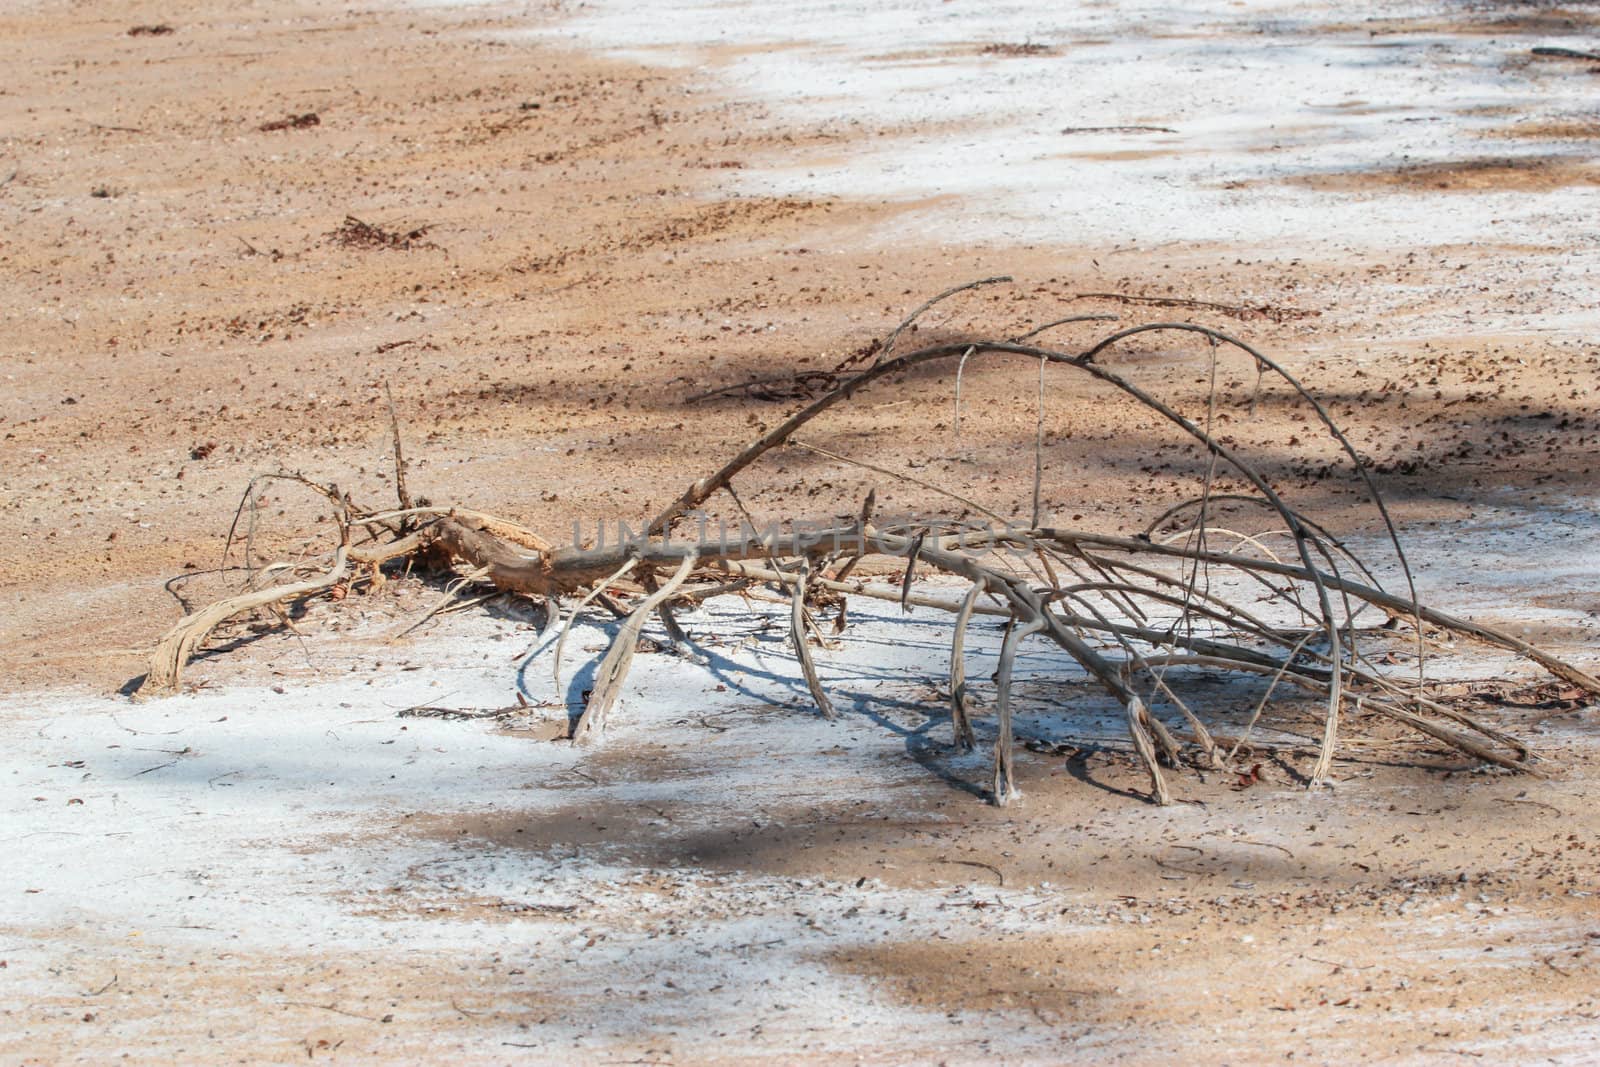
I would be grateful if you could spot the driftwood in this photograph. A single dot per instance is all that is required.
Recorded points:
(1134, 611)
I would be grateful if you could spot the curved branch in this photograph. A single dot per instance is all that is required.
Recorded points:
(173, 651)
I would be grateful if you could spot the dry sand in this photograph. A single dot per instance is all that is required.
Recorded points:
(186, 308)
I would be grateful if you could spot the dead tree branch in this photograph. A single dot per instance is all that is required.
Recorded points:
(1140, 614)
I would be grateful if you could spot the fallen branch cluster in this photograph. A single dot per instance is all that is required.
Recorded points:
(1142, 613)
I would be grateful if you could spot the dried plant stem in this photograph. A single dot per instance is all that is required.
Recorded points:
(613, 669)
(400, 490)
(597, 591)
(1377, 597)
(1005, 785)
(906, 323)
(960, 709)
(451, 595)
(1139, 727)
(802, 648)
(173, 651)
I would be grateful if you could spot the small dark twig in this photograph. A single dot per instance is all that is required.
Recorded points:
(1535, 803)
(1336, 965)
(1013, 49)
(1565, 53)
(157, 767)
(996, 871)
(799, 385)
(894, 335)
(102, 989)
(911, 570)
(1242, 312)
(333, 1008)
(1053, 323)
(399, 460)
(1118, 129)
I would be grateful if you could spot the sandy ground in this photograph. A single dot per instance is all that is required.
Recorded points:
(584, 241)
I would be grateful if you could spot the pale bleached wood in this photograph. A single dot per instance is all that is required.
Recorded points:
(613, 669)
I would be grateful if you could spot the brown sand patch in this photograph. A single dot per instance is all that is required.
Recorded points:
(952, 975)
(1310, 981)
(1568, 130)
(1119, 155)
(1496, 174)
(1531, 20)
(927, 830)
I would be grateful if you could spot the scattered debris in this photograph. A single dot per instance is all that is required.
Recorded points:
(1242, 312)
(1011, 48)
(292, 122)
(251, 250)
(353, 233)
(1118, 129)
(801, 385)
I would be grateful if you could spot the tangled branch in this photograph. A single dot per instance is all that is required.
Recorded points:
(1140, 613)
